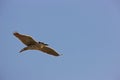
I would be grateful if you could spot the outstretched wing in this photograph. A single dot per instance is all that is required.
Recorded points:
(27, 40)
(50, 51)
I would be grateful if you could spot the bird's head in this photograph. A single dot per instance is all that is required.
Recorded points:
(43, 43)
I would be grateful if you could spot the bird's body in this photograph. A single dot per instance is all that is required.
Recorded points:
(34, 45)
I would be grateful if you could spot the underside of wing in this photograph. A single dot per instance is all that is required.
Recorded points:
(27, 40)
(49, 51)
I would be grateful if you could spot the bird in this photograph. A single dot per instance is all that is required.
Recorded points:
(31, 44)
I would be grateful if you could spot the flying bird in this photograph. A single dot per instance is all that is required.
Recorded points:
(31, 44)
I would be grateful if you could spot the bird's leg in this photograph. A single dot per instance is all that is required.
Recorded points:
(42, 46)
(25, 48)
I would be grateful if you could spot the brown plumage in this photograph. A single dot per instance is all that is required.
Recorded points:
(33, 45)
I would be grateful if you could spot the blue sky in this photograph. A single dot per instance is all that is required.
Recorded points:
(86, 32)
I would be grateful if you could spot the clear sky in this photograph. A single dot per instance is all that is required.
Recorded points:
(86, 32)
